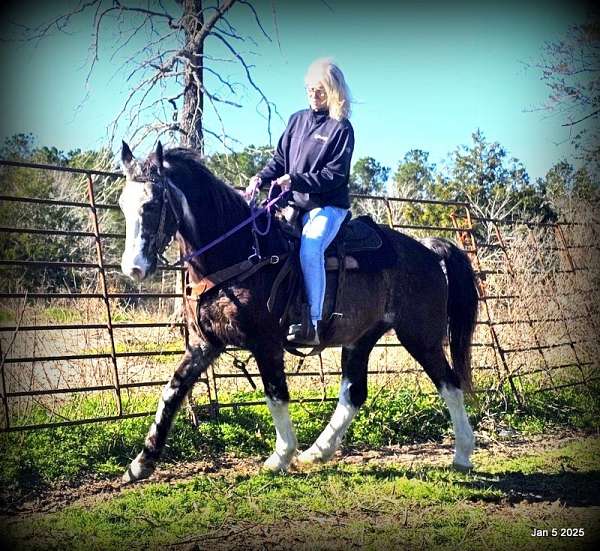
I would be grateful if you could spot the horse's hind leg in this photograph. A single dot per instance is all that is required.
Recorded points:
(194, 362)
(437, 367)
(353, 393)
(271, 367)
(463, 433)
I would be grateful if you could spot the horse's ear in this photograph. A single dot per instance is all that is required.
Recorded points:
(126, 158)
(159, 155)
(126, 154)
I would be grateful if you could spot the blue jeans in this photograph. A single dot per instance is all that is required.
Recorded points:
(319, 228)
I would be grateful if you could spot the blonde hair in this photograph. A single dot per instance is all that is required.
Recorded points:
(324, 70)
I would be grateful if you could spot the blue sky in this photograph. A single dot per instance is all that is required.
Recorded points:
(423, 75)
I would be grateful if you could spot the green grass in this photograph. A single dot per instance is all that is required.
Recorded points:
(375, 506)
(168, 350)
(6, 316)
(578, 455)
(59, 314)
(389, 417)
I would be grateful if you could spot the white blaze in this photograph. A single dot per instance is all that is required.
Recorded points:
(133, 197)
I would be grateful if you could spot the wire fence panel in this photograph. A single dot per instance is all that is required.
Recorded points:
(75, 331)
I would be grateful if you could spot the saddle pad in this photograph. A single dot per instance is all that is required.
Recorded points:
(367, 243)
(360, 234)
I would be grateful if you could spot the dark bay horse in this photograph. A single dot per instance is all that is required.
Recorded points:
(428, 294)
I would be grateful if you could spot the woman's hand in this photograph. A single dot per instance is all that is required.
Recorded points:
(253, 186)
(284, 182)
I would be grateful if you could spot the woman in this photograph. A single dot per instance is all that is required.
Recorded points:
(313, 158)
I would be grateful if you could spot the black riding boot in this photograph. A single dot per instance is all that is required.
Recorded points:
(304, 334)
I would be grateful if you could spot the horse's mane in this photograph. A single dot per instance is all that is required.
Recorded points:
(204, 192)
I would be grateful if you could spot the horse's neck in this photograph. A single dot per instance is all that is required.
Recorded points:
(222, 254)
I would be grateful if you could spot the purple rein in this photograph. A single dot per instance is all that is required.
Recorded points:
(256, 212)
(267, 207)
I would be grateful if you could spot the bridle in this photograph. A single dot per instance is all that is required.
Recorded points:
(160, 240)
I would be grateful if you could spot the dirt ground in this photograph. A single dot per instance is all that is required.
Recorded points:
(94, 489)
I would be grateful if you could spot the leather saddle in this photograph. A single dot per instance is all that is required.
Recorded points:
(356, 248)
(356, 238)
(358, 235)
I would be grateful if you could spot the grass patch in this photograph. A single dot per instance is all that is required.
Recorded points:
(6, 316)
(579, 455)
(577, 407)
(388, 417)
(58, 314)
(375, 507)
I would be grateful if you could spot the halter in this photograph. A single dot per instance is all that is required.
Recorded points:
(160, 240)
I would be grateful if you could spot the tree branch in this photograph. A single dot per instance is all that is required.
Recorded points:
(256, 18)
(250, 80)
(209, 24)
(582, 119)
(151, 13)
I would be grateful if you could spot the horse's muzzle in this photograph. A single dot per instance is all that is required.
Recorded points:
(137, 274)
(137, 269)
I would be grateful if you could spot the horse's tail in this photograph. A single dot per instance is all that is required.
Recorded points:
(462, 305)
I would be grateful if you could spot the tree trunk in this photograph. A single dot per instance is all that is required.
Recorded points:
(193, 104)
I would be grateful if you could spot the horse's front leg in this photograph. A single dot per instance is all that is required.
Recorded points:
(271, 367)
(194, 362)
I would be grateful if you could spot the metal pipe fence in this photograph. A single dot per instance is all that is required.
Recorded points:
(88, 331)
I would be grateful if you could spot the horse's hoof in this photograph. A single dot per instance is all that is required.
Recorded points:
(137, 470)
(276, 463)
(312, 457)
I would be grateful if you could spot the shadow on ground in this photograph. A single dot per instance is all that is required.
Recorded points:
(573, 489)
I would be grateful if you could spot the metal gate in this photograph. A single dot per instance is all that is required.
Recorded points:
(88, 332)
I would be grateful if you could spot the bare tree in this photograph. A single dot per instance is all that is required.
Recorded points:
(570, 67)
(175, 79)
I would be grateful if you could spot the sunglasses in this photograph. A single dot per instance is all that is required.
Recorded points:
(318, 92)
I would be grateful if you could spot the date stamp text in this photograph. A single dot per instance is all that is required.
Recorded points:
(558, 532)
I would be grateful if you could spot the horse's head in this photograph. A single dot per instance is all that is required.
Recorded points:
(151, 205)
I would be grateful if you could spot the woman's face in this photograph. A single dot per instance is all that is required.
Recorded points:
(317, 97)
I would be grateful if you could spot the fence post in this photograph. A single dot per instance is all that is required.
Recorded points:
(102, 273)
(4, 398)
(390, 215)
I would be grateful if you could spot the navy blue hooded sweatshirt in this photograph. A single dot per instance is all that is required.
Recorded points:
(315, 150)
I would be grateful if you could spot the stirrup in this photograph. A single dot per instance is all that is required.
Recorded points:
(298, 334)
